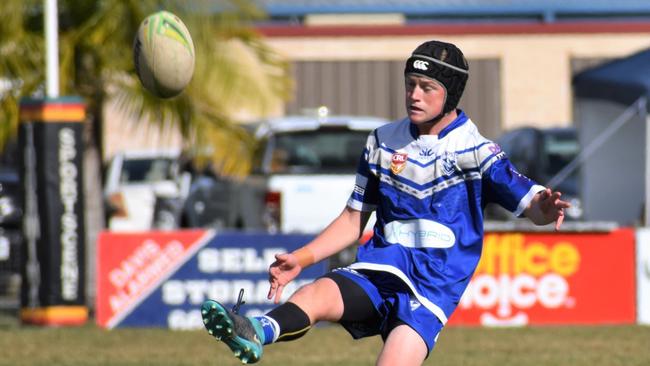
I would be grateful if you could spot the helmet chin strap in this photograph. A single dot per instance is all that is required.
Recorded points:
(436, 119)
(430, 123)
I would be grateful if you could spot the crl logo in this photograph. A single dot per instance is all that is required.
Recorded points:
(421, 65)
(398, 162)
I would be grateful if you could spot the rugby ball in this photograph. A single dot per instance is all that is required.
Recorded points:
(163, 54)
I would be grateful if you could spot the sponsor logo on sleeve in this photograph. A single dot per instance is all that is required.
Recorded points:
(359, 190)
(496, 150)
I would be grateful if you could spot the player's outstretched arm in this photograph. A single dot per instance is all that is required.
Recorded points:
(282, 271)
(547, 207)
(341, 233)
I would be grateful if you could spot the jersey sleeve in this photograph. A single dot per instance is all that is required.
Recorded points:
(365, 195)
(502, 183)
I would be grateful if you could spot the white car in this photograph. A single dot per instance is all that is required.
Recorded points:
(134, 180)
(306, 166)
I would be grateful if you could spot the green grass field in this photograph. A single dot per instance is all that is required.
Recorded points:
(329, 345)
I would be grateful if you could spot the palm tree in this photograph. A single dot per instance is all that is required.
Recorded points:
(235, 71)
(21, 63)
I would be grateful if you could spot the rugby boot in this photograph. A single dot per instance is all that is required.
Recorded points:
(244, 336)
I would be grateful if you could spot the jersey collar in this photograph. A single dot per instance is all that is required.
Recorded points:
(459, 121)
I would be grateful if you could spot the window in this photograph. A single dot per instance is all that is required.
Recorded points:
(561, 149)
(146, 170)
(322, 151)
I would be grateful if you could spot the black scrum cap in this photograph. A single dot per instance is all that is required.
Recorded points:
(443, 62)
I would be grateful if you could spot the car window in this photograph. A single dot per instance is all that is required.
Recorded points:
(324, 150)
(146, 170)
(520, 145)
(561, 149)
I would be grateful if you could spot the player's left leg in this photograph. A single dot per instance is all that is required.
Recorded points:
(333, 297)
(319, 300)
(244, 336)
(403, 346)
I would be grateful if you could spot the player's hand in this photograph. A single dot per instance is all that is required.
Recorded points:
(282, 271)
(552, 207)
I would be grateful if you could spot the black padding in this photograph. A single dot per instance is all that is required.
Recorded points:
(357, 306)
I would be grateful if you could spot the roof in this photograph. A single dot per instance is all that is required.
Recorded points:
(622, 80)
(145, 153)
(549, 10)
(311, 123)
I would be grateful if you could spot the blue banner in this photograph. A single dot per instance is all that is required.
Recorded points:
(223, 265)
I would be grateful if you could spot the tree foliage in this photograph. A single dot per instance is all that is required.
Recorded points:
(236, 73)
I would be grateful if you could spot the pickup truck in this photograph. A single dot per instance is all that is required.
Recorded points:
(304, 170)
(303, 173)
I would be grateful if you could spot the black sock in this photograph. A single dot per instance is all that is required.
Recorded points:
(292, 321)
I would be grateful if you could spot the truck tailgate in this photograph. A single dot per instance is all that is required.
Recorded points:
(310, 202)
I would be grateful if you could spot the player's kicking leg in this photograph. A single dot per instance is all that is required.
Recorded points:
(244, 336)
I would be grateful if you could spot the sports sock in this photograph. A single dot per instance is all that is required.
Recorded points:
(270, 327)
(284, 323)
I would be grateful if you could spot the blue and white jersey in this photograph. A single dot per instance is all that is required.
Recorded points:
(429, 193)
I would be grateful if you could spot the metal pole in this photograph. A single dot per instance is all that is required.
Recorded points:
(31, 226)
(52, 48)
(639, 107)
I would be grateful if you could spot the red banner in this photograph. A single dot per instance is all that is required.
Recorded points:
(133, 264)
(551, 278)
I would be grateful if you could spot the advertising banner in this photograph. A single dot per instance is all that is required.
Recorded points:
(161, 278)
(50, 137)
(643, 275)
(552, 278)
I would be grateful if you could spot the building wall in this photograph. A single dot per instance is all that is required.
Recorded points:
(536, 68)
(533, 83)
(376, 88)
(123, 134)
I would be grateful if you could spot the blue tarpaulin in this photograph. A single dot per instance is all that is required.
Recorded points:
(622, 80)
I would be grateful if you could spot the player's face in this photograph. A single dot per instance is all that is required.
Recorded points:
(425, 98)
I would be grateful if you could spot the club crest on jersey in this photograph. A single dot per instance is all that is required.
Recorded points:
(398, 162)
(448, 163)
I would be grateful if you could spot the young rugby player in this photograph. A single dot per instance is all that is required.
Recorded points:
(428, 178)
